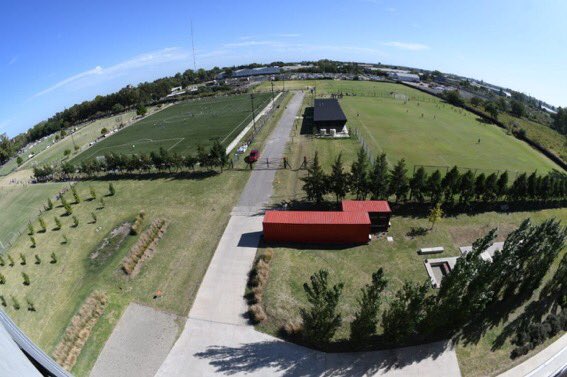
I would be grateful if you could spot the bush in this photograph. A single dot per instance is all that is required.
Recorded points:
(257, 313)
(53, 258)
(93, 193)
(292, 329)
(26, 278)
(68, 209)
(111, 190)
(75, 195)
(2, 279)
(538, 333)
(32, 240)
(135, 228)
(520, 351)
(49, 204)
(30, 229)
(22, 259)
(10, 260)
(37, 259)
(75, 222)
(42, 225)
(3, 301)
(31, 306)
(15, 303)
(57, 223)
(554, 324)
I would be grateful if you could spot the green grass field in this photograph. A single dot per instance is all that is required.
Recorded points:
(405, 123)
(197, 211)
(291, 267)
(19, 205)
(39, 147)
(182, 127)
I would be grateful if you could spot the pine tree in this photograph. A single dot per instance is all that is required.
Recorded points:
(490, 188)
(434, 187)
(10, 260)
(22, 259)
(321, 321)
(379, 178)
(338, 180)
(2, 279)
(53, 258)
(359, 174)
(57, 223)
(30, 229)
(366, 318)
(418, 184)
(42, 225)
(466, 187)
(93, 193)
(75, 195)
(32, 240)
(519, 189)
(26, 278)
(49, 206)
(15, 303)
(450, 184)
(75, 221)
(111, 190)
(502, 184)
(37, 259)
(399, 184)
(479, 185)
(315, 184)
(68, 209)
(31, 306)
(532, 185)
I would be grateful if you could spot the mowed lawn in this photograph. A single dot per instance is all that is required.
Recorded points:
(389, 118)
(197, 211)
(183, 127)
(20, 204)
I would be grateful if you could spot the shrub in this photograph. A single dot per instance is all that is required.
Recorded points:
(520, 351)
(142, 249)
(2, 263)
(3, 301)
(42, 225)
(30, 229)
(10, 260)
(75, 222)
(257, 313)
(101, 202)
(93, 217)
(111, 190)
(65, 240)
(15, 303)
(32, 240)
(49, 206)
(37, 259)
(53, 258)
(68, 209)
(538, 333)
(26, 278)
(2, 279)
(31, 306)
(93, 193)
(22, 259)
(292, 329)
(75, 195)
(57, 223)
(135, 228)
(554, 323)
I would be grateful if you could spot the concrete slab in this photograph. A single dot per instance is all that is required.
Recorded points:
(139, 343)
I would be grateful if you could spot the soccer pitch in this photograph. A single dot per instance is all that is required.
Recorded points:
(183, 127)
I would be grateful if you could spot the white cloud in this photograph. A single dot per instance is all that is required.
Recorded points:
(97, 74)
(288, 35)
(407, 46)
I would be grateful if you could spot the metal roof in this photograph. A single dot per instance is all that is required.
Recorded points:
(366, 206)
(328, 109)
(316, 217)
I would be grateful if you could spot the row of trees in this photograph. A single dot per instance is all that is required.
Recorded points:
(120, 163)
(379, 181)
(473, 290)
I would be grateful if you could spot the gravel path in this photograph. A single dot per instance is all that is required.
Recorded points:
(139, 343)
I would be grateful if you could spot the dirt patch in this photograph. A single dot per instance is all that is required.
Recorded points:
(466, 235)
(109, 245)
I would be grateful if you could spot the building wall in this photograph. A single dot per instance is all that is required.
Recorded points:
(317, 233)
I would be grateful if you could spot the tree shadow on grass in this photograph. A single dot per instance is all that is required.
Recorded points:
(291, 360)
(196, 175)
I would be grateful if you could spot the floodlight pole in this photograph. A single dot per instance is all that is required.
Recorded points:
(253, 115)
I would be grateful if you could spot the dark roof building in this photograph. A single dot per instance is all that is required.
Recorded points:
(246, 72)
(378, 210)
(327, 114)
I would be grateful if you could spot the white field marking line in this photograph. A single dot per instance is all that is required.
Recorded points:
(241, 135)
(139, 141)
(244, 120)
(174, 145)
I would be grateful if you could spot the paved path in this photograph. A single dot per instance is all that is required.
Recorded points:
(547, 363)
(139, 343)
(217, 339)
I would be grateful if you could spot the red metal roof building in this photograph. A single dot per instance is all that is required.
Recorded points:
(378, 210)
(316, 227)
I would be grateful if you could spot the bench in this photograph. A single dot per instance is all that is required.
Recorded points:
(431, 250)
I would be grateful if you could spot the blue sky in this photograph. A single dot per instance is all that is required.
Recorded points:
(54, 54)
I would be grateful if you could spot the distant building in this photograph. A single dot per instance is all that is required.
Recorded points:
(256, 71)
(407, 77)
(328, 115)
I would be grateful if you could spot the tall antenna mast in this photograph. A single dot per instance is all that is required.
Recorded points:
(193, 47)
